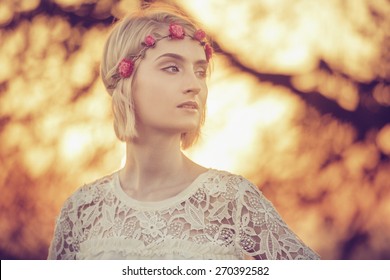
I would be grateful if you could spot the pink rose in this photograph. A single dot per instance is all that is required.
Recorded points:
(176, 31)
(199, 35)
(125, 68)
(149, 41)
(208, 51)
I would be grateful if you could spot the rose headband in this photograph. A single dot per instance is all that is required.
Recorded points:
(176, 31)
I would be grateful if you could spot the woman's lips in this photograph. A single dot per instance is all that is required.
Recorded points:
(189, 105)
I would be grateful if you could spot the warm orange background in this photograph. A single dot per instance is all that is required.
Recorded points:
(298, 103)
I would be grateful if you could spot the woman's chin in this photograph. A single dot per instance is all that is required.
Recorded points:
(190, 129)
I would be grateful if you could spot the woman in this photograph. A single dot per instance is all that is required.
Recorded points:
(162, 205)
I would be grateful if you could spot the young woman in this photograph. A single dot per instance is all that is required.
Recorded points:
(162, 205)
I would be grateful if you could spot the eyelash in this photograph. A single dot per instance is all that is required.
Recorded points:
(201, 73)
(170, 67)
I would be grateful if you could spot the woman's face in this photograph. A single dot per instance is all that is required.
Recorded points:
(170, 88)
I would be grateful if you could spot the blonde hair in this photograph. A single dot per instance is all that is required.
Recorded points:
(125, 40)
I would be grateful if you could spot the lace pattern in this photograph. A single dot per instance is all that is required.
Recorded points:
(219, 216)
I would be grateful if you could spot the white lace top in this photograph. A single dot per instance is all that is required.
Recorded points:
(219, 216)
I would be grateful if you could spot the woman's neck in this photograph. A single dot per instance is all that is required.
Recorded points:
(156, 167)
(157, 158)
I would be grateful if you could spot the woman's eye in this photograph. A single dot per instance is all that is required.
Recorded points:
(201, 73)
(172, 69)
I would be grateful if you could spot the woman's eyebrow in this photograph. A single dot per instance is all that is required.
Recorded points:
(180, 58)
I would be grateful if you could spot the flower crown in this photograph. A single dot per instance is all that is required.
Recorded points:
(176, 31)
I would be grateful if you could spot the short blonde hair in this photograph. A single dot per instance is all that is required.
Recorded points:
(125, 40)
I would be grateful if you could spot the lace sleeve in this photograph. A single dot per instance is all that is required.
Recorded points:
(262, 232)
(64, 244)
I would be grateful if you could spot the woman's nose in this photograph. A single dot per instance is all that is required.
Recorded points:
(192, 84)
(192, 90)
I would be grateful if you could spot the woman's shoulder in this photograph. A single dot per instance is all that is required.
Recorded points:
(99, 183)
(230, 177)
(90, 192)
(232, 181)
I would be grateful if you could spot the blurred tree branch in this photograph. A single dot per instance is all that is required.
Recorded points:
(367, 116)
(37, 139)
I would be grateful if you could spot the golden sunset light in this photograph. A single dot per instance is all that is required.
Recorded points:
(298, 103)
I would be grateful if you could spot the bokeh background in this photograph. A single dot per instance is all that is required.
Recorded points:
(298, 103)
